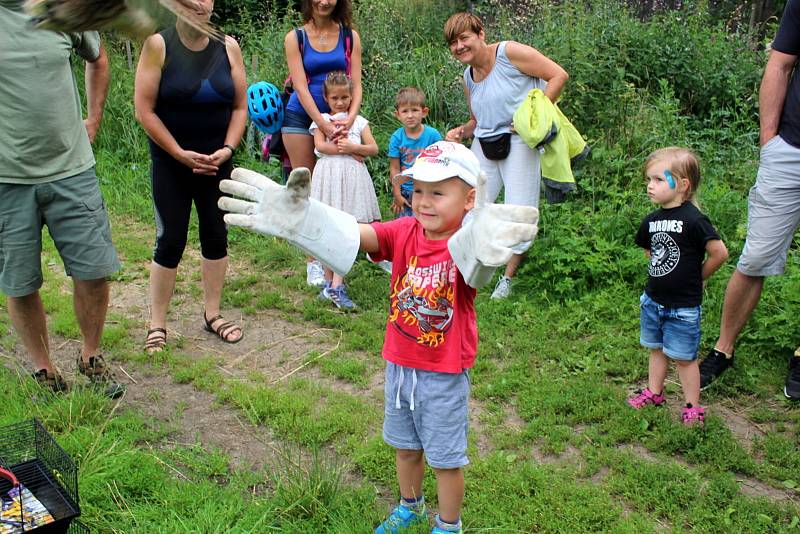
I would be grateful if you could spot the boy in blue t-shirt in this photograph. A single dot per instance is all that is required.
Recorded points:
(406, 144)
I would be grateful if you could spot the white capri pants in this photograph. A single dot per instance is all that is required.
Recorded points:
(520, 174)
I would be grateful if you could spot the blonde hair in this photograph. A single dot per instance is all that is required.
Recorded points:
(336, 78)
(460, 23)
(683, 164)
(409, 96)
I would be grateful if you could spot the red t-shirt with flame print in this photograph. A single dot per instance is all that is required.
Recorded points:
(432, 323)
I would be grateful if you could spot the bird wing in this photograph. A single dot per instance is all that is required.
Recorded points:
(136, 18)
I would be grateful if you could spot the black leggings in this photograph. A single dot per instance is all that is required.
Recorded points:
(174, 189)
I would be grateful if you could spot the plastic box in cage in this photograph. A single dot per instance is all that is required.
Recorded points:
(48, 482)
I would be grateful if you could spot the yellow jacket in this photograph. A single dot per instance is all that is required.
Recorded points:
(542, 126)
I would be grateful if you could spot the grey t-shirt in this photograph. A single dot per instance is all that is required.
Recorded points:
(495, 98)
(43, 138)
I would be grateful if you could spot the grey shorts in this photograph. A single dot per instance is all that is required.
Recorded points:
(773, 210)
(427, 411)
(75, 215)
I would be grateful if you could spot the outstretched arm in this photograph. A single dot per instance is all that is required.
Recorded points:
(331, 235)
(493, 233)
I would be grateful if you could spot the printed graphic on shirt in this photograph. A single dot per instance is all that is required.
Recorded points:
(422, 302)
(664, 253)
(408, 156)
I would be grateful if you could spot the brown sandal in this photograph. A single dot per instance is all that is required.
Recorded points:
(223, 330)
(156, 340)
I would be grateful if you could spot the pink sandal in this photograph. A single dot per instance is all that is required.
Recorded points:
(693, 415)
(644, 398)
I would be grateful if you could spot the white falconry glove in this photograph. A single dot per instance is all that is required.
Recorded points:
(328, 234)
(490, 235)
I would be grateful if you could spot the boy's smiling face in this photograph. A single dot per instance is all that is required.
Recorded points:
(440, 206)
(411, 116)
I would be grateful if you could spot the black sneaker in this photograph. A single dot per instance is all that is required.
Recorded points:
(51, 381)
(792, 387)
(714, 365)
(98, 373)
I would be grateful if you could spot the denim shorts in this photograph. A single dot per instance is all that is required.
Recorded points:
(75, 215)
(675, 330)
(406, 211)
(427, 411)
(295, 122)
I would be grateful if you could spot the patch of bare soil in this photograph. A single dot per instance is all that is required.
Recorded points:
(195, 418)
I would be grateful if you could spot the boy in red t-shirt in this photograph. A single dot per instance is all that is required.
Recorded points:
(439, 257)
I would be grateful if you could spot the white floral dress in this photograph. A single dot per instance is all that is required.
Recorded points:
(343, 182)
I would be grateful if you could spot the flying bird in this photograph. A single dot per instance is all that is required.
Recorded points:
(136, 18)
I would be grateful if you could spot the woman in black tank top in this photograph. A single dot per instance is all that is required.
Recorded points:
(191, 100)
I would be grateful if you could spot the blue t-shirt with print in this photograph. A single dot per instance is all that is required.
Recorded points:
(406, 149)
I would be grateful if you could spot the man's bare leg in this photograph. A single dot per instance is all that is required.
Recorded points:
(27, 315)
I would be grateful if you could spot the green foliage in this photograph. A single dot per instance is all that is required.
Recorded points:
(553, 447)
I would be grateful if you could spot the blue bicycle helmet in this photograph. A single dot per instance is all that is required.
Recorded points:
(265, 107)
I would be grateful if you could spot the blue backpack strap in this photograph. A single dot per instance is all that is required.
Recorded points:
(299, 33)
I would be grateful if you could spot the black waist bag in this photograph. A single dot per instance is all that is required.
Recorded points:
(497, 146)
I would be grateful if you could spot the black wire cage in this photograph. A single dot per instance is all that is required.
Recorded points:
(46, 471)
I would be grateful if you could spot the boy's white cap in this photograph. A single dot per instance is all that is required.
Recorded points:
(443, 160)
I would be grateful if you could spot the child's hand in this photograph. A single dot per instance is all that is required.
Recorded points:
(455, 135)
(346, 146)
(399, 204)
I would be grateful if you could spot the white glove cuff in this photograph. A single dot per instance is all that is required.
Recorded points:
(330, 235)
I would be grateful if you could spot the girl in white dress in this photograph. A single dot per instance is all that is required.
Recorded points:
(340, 177)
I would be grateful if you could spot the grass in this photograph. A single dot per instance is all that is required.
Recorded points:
(554, 448)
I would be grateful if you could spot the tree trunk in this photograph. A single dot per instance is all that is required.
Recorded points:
(760, 12)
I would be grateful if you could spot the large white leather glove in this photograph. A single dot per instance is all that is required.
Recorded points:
(328, 234)
(490, 235)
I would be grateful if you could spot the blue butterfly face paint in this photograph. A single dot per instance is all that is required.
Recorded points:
(670, 179)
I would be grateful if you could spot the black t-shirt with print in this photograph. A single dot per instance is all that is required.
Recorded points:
(787, 40)
(676, 238)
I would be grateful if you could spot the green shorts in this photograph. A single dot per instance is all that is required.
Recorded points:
(76, 217)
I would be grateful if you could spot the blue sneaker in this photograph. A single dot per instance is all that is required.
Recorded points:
(402, 517)
(340, 297)
(446, 528)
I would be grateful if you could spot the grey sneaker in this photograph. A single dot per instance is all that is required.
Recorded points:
(324, 293)
(502, 289)
(99, 374)
(315, 275)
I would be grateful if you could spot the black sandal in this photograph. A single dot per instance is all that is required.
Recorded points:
(225, 329)
(153, 342)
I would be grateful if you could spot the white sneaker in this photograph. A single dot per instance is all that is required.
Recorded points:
(502, 289)
(385, 265)
(315, 276)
